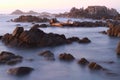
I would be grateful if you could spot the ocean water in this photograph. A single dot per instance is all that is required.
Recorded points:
(101, 50)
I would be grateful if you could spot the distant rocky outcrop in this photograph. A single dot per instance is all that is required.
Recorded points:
(16, 12)
(30, 18)
(95, 12)
(69, 23)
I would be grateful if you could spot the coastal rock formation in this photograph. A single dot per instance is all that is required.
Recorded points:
(94, 12)
(9, 58)
(95, 66)
(66, 57)
(30, 18)
(20, 71)
(83, 61)
(84, 40)
(48, 55)
(118, 49)
(35, 38)
(55, 22)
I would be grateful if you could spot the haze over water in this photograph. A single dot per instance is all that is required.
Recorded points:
(53, 6)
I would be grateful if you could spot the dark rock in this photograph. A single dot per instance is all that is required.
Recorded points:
(48, 55)
(17, 31)
(33, 38)
(9, 58)
(1, 37)
(66, 57)
(30, 18)
(103, 32)
(40, 26)
(83, 61)
(118, 49)
(72, 39)
(95, 66)
(20, 71)
(84, 40)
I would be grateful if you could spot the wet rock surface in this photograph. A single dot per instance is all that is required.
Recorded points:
(83, 61)
(66, 57)
(20, 71)
(30, 18)
(37, 38)
(47, 55)
(95, 66)
(9, 58)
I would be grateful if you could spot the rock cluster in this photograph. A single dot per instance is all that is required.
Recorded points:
(55, 22)
(36, 38)
(9, 58)
(30, 18)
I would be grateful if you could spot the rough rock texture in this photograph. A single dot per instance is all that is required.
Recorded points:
(83, 61)
(20, 71)
(56, 23)
(30, 18)
(34, 38)
(118, 49)
(94, 12)
(48, 55)
(95, 66)
(84, 40)
(66, 57)
(9, 58)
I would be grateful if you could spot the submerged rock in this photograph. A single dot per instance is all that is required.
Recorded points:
(20, 71)
(83, 61)
(95, 66)
(48, 55)
(9, 58)
(84, 40)
(66, 57)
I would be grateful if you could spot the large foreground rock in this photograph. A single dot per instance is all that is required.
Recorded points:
(34, 38)
(20, 71)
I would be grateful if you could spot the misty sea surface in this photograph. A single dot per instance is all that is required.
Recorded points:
(101, 50)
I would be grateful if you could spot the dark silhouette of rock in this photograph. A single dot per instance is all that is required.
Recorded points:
(56, 23)
(94, 12)
(1, 37)
(20, 71)
(66, 57)
(84, 40)
(30, 18)
(83, 61)
(40, 26)
(95, 66)
(33, 38)
(118, 49)
(9, 58)
(48, 55)
(73, 39)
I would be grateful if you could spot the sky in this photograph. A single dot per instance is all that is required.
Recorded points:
(53, 6)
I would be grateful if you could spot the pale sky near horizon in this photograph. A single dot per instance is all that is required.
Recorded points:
(53, 6)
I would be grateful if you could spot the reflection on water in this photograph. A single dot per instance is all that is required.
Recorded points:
(100, 50)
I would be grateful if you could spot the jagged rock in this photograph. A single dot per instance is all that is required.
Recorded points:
(30, 18)
(118, 49)
(83, 61)
(84, 40)
(48, 55)
(20, 71)
(17, 31)
(95, 66)
(9, 58)
(39, 26)
(66, 57)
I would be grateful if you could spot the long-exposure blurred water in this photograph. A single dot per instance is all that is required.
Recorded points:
(101, 50)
